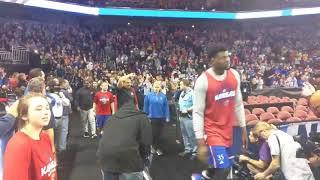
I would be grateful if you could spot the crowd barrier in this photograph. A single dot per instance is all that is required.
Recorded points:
(279, 92)
(17, 55)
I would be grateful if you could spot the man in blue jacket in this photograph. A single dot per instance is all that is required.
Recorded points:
(157, 107)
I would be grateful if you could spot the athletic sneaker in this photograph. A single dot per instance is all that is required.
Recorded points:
(94, 136)
(205, 175)
(159, 152)
(86, 135)
(197, 176)
(184, 154)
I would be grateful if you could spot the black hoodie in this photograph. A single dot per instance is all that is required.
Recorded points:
(126, 141)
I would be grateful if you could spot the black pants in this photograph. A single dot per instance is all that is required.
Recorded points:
(157, 126)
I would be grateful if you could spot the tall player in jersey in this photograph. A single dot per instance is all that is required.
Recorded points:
(217, 106)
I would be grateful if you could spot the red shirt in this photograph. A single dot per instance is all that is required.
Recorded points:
(220, 110)
(103, 102)
(29, 159)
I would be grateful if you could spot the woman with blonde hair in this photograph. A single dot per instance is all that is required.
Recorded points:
(29, 154)
(156, 106)
(283, 150)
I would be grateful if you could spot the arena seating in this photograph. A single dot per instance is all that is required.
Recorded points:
(299, 111)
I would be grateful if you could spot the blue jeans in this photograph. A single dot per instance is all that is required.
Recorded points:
(189, 139)
(61, 132)
(122, 176)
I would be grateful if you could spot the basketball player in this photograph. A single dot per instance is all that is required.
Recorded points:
(217, 105)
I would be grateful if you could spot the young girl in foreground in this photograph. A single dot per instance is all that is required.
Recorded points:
(29, 155)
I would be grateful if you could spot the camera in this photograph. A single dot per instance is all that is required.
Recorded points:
(240, 169)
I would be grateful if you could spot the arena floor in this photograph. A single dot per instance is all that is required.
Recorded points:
(80, 162)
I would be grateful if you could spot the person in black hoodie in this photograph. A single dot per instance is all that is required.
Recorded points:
(125, 144)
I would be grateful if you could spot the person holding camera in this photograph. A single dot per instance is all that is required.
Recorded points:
(283, 150)
(257, 166)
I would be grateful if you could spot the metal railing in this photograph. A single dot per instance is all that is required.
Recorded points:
(17, 55)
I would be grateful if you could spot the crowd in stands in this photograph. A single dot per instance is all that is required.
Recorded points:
(145, 64)
(265, 55)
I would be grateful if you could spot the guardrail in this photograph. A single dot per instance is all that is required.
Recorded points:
(17, 55)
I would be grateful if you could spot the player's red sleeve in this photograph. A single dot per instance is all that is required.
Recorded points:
(17, 159)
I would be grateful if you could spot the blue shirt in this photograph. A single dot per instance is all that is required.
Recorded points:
(6, 131)
(156, 105)
(186, 100)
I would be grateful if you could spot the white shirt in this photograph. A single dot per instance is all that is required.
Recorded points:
(57, 108)
(293, 168)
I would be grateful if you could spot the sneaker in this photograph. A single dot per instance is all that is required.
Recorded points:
(193, 157)
(94, 136)
(86, 135)
(159, 152)
(205, 175)
(184, 154)
(196, 176)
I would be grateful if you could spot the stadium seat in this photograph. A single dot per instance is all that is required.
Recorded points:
(251, 117)
(300, 114)
(311, 113)
(272, 97)
(257, 111)
(287, 108)
(252, 101)
(273, 110)
(275, 100)
(247, 111)
(286, 98)
(252, 123)
(302, 101)
(284, 115)
(303, 108)
(312, 118)
(275, 121)
(252, 97)
(293, 119)
(266, 116)
(294, 101)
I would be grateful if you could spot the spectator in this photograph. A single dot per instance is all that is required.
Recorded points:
(283, 150)
(157, 108)
(186, 124)
(260, 165)
(103, 106)
(30, 143)
(83, 101)
(122, 153)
